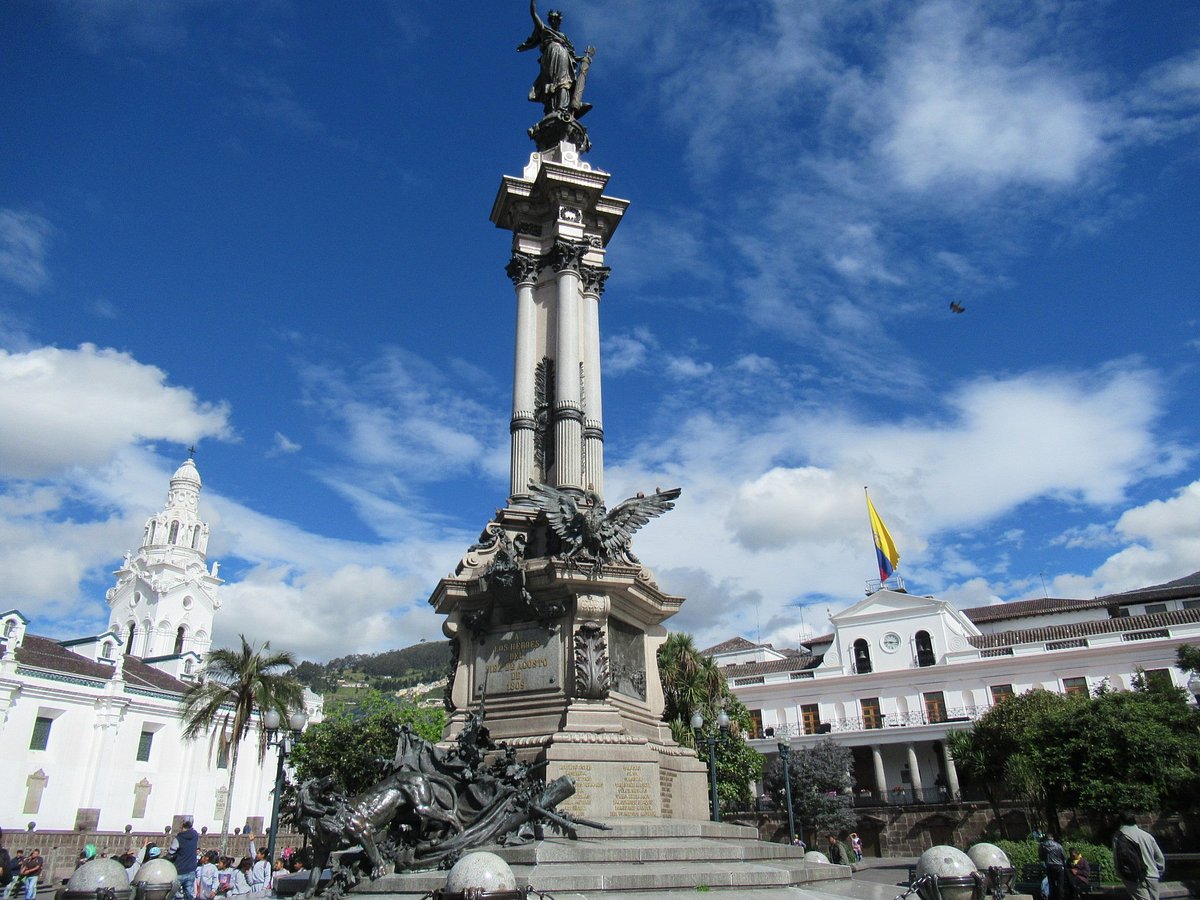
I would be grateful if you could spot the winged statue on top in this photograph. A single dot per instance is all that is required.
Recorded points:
(589, 532)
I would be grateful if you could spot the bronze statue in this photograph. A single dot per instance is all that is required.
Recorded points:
(555, 87)
(590, 532)
(559, 85)
(432, 805)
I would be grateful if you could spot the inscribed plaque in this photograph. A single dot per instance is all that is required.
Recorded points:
(522, 659)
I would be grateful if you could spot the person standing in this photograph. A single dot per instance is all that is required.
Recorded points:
(1054, 858)
(184, 849)
(1154, 863)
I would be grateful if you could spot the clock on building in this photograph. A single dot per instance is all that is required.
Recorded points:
(890, 642)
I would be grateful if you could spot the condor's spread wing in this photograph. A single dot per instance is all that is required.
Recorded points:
(561, 512)
(630, 515)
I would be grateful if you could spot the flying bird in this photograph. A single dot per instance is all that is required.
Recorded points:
(956, 307)
(592, 532)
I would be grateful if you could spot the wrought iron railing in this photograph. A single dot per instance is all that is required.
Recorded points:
(885, 720)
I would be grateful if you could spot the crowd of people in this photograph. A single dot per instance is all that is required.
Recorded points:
(207, 875)
(202, 874)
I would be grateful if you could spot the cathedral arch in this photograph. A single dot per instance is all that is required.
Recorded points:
(180, 634)
(147, 636)
(196, 538)
(173, 534)
(129, 638)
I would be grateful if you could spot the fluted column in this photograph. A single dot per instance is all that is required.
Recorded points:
(880, 778)
(593, 407)
(523, 270)
(568, 413)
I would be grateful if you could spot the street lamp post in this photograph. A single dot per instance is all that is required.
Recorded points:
(723, 726)
(285, 742)
(785, 756)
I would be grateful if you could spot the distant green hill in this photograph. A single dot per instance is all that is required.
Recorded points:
(390, 670)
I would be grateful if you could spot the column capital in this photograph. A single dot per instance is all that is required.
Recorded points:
(594, 278)
(523, 268)
(568, 255)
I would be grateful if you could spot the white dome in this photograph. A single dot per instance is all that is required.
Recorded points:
(187, 472)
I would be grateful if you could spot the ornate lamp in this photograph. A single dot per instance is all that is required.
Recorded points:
(285, 741)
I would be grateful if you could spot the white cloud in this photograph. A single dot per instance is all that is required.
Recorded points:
(969, 107)
(283, 445)
(24, 241)
(773, 507)
(65, 408)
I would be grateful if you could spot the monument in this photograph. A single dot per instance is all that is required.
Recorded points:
(554, 623)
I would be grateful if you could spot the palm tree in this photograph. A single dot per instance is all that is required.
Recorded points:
(236, 686)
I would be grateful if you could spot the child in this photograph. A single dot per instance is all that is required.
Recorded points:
(856, 846)
(207, 876)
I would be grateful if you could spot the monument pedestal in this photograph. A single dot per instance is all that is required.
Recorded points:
(564, 661)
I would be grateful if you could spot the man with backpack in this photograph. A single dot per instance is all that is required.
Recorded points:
(1138, 859)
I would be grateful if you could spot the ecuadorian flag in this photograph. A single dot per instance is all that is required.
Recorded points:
(885, 548)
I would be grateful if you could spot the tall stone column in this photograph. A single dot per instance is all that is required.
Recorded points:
(523, 270)
(593, 407)
(915, 768)
(566, 259)
(880, 778)
(951, 772)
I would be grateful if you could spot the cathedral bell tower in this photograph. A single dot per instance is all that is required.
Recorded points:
(165, 596)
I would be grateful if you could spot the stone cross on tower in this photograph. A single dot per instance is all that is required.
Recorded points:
(561, 221)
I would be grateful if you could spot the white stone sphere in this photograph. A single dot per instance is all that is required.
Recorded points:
(945, 862)
(96, 874)
(985, 855)
(155, 871)
(816, 856)
(483, 871)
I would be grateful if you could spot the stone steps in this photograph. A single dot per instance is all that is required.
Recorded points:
(645, 856)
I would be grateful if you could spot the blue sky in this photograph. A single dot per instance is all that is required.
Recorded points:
(262, 227)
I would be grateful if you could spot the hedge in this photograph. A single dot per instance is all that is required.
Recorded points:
(1021, 853)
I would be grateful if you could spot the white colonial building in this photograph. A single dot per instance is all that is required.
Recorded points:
(900, 671)
(90, 729)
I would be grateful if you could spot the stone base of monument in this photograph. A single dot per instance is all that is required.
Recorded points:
(647, 857)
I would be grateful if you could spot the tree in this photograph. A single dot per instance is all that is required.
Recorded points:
(355, 740)
(822, 787)
(1101, 754)
(694, 683)
(1188, 658)
(236, 686)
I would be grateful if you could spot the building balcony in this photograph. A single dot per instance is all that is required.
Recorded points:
(951, 715)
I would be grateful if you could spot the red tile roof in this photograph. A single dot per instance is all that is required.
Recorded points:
(1084, 629)
(45, 653)
(1042, 606)
(791, 664)
(736, 643)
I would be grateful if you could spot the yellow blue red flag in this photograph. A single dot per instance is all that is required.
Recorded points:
(885, 548)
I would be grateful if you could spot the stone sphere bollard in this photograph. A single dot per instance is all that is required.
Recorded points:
(816, 856)
(480, 871)
(952, 875)
(98, 878)
(994, 865)
(155, 880)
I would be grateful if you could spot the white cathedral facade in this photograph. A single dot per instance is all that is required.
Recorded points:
(90, 728)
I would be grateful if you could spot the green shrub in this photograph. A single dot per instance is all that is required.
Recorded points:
(1021, 853)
